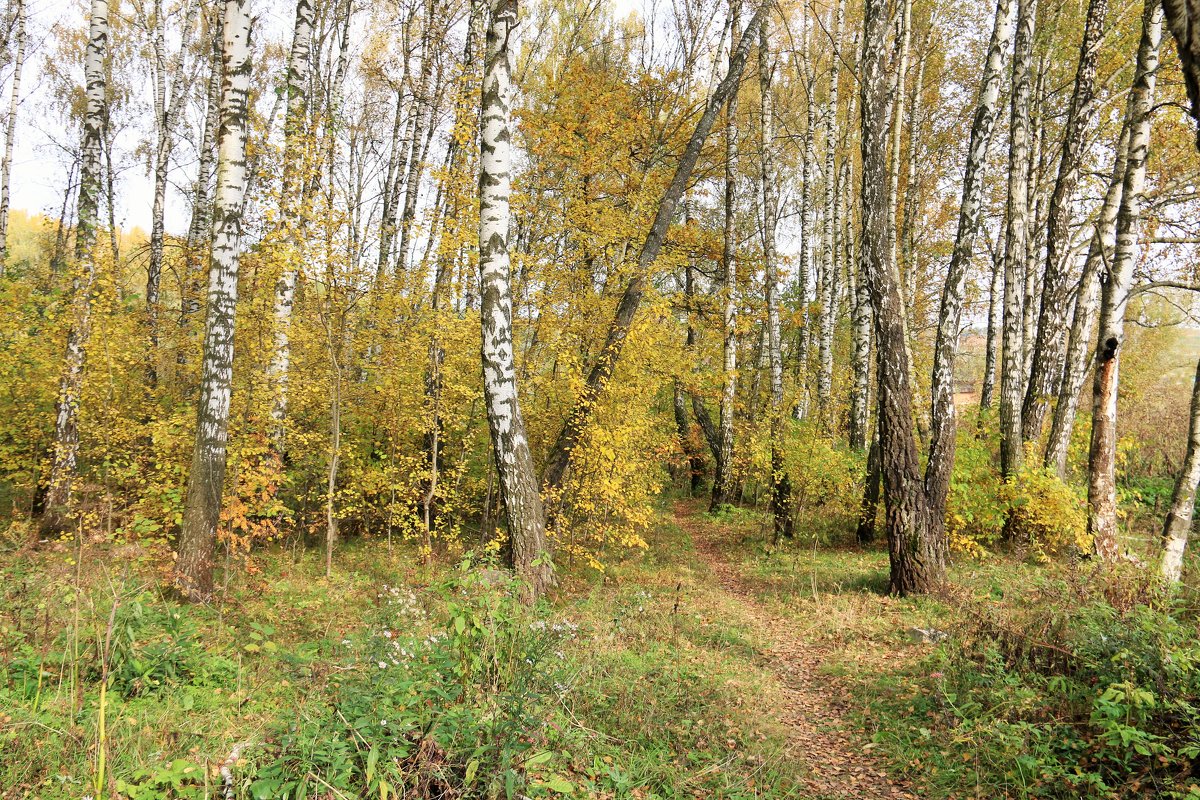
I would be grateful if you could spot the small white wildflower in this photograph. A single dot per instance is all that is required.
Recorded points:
(382, 665)
(383, 722)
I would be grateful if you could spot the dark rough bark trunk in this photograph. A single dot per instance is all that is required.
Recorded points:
(1183, 502)
(916, 551)
(514, 462)
(1016, 248)
(202, 511)
(1117, 281)
(1183, 18)
(631, 299)
(869, 509)
(1045, 370)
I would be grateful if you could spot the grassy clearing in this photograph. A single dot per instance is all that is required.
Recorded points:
(386, 680)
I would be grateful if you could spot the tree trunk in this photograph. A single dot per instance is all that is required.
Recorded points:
(828, 264)
(166, 110)
(781, 490)
(1045, 374)
(58, 512)
(1079, 343)
(200, 228)
(10, 128)
(1012, 385)
(1183, 17)
(197, 541)
(1116, 282)
(518, 482)
(806, 276)
(917, 553)
(291, 203)
(723, 480)
(987, 395)
(1183, 502)
(618, 330)
(942, 414)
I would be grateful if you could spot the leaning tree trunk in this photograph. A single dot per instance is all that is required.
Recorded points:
(781, 490)
(1183, 502)
(1044, 377)
(917, 553)
(291, 204)
(58, 513)
(10, 129)
(514, 462)
(942, 416)
(828, 263)
(202, 512)
(723, 478)
(1117, 281)
(1016, 246)
(631, 298)
(1079, 343)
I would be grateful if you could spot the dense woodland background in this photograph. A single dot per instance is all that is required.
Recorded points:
(904, 292)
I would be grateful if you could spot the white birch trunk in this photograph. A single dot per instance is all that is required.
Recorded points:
(1016, 245)
(1183, 502)
(1117, 281)
(514, 462)
(291, 203)
(202, 512)
(58, 512)
(828, 265)
(10, 129)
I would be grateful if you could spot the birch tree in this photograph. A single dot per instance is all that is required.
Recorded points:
(202, 511)
(1051, 327)
(58, 511)
(1117, 282)
(828, 265)
(514, 462)
(291, 202)
(781, 491)
(1183, 501)
(1016, 245)
(723, 476)
(10, 129)
(942, 415)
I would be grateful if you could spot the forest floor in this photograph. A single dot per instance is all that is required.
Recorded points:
(709, 665)
(840, 762)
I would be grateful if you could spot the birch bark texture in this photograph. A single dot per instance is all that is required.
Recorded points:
(514, 462)
(917, 554)
(1044, 377)
(291, 204)
(1016, 245)
(10, 130)
(1117, 282)
(828, 264)
(202, 512)
(942, 416)
(1183, 502)
(723, 480)
(781, 490)
(58, 512)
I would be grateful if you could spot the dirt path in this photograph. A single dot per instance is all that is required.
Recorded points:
(818, 733)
